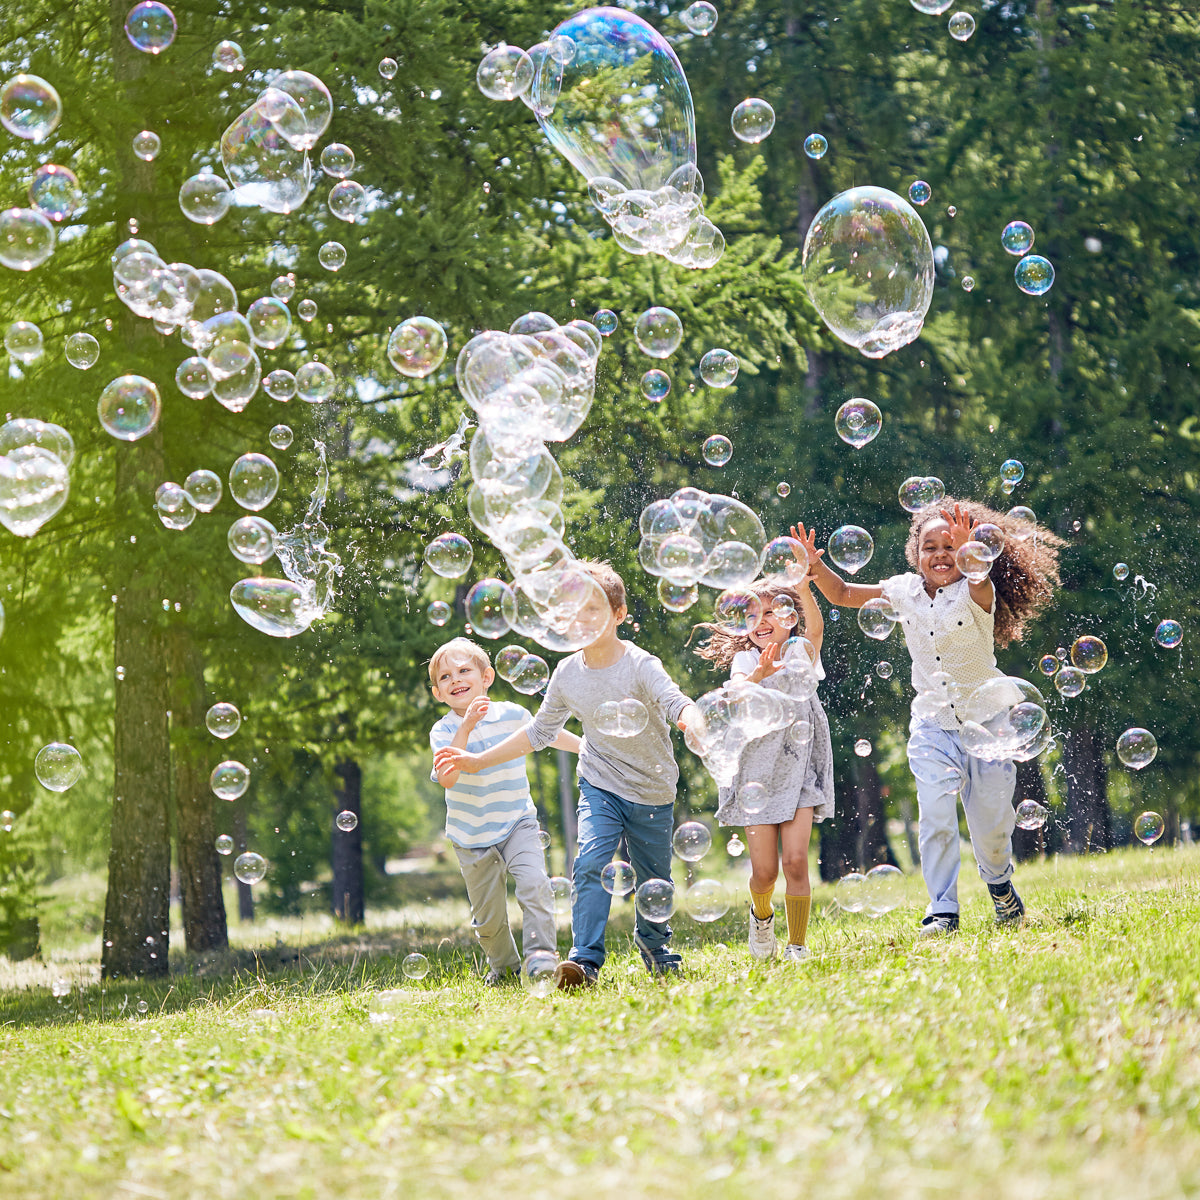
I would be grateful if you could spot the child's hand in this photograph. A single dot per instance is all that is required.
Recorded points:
(768, 664)
(476, 711)
(960, 527)
(808, 539)
(450, 758)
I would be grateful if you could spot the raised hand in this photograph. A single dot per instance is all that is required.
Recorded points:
(768, 664)
(476, 711)
(960, 526)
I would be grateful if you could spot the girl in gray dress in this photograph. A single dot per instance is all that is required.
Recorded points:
(784, 779)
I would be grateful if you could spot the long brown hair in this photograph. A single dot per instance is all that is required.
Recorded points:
(722, 645)
(1024, 576)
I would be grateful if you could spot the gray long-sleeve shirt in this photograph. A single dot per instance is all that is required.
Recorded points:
(640, 769)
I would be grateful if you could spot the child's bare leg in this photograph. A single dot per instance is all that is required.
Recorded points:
(794, 836)
(763, 843)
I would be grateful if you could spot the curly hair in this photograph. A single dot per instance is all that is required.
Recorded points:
(1024, 576)
(722, 645)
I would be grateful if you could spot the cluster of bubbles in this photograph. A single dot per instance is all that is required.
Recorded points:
(877, 892)
(1034, 274)
(1005, 720)
(35, 460)
(524, 672)
(1088, 656)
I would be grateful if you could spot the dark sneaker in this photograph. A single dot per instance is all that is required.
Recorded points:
(939, 925)
(495, 979)
(572, 975)
(1009, 908)
(658, 962)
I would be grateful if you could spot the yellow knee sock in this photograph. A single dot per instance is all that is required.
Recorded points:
(762, 903)
(797, 918)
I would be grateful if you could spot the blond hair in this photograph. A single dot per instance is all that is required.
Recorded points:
(608, 579)
(459, 645)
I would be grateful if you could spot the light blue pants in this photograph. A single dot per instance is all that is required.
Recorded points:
(943, 769)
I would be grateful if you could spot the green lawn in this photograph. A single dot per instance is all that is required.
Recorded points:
(1060, 1060)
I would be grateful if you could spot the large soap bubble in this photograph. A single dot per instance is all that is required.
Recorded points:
(58, 766)
(417, 347)
(868, 268)
(150, 27)
(30, 107)
(33, 487)
(55, 191)
(263, 152)
(277, 607)
(129, 407)
(253, 481)
(1005, 719)
(27, 238)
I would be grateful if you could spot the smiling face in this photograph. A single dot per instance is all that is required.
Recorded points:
(773, 629)
(460, 679)
(935, 555)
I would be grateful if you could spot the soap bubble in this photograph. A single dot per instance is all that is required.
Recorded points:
(718, 450)
(280, 436)
(677, 597)
(700, 18)
(146, 145)
(251, 539)
(719, 368)
(968, 283)
(415, 966)
(23, 340)
(1031, 815)
(507, 661)
(280, 385)
(263, 151)
(249, 867)
(1136, 748)
(883, 669)
(82, 350)
(1048, 664)
(1148, 827)
(877, 618)
(862, 747)
(882, 889)
(560, 890)
(1070, 681)
(203, 489)
(691, 841)
(170, 498)
(438, 613)
(783, 489)
(752, 120)
(707, 900)
(332, 256)
(223, 720)
(1012, 471)
(1121, 571)
(150, 27)
(30, 108)
(485, 607)
(655, 385)
(224, 844)
(919, 192)
(388, 68)
(129, 407)
(180, 519)
(658, 332)
(228, 57)
(539, 973)
(1025, 523)
(737, 611)
(961, 25)
(346, 820)
(315, 383)
(815, 145)
(205, 198)
(276, 607)
(312, 98)
(1089, 654)
(417, 347)
(1168, 634)
(543, 839)
(55, 192)
(1034, 275)
(57, 766)
(991, 537)
(784, 560)
(26, 238)
(229, 779)
(858, 422)
(851, 547)
(44, 435)
(253, 481)
(919, 492)
(605, 320)
(974, 560)
(505, 73)
(617, 878)
(346, 201)
(269, 322)
(620, 718)
(868, 268)
(931, 8)
(337, 161)
(531, 675)
(283, 287)
(449, 555)
(849, 892)
(655, 900)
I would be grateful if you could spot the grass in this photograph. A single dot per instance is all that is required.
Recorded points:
(1059, 1060)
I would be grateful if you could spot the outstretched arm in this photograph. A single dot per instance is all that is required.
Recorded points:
(961, 532)
(814, 623)
(451, 758)
(831, 585)
(567, 741)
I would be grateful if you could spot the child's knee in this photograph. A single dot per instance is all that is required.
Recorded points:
(795, 865)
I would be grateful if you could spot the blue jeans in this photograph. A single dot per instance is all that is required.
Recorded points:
(603, 818)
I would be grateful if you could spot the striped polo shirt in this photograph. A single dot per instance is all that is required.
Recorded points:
(481, 809)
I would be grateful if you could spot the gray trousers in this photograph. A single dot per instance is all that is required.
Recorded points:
(485, 870)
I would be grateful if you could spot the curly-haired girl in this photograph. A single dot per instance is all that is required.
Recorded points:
(951, 625)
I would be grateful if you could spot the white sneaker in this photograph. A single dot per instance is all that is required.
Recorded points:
(762, 936)
(793, 953)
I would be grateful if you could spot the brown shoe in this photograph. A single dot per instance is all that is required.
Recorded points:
(571, 975)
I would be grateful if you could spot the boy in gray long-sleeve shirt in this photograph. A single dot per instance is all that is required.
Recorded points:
(626, 783)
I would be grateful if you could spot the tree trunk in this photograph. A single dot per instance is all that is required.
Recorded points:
(566, 801)
(856, 840)
(245, 891)
(1033, 843)
(347, 846)
(204, 926)
(1089, 819)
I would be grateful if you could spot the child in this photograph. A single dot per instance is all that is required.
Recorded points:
(950, 626)
(491, 821)
(626, 784)
(796, 774)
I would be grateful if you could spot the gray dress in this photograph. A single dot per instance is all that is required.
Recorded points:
(795, 772)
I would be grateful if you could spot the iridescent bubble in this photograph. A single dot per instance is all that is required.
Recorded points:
(1031, 815)
(229, 779)
(280, 385)
(605, 320)
(1048, 664)
(919, 192)
(146, 145)
(719, 368)
(337, 161)
(34, 485)
(507, 661)
(784, 560)
(249, 867)
(816, 145)
(919, 492)
(783, 489)
(677, 597)
(862, 747)
(27, 238)
(658, 332)
(931, 8)
(283, 287)
(974, 560)
(737, 611)
(23, 340)
(58, 766)
(315, 383)
(655, 900)
(691, 841)
(438, 613)
(752, 120)
(417, 347)
(505, 73)
(280, 436)
(347, 199)
(180, 519)
(620, 718)
(1025, 523)
(1148, 827)
(269, 322)
(951, 211)
(1012, 471)
(388, 68)
(170, 498)
(1034, 275)
(868, 269)
(968, 283)
(82, 350)
(883, 669)
(346, 820)
(877, 618)
(223, 720)
(415, 966)
(332, 256)
(1136, 748)
(276, 607)
(851, 547)
(228, 57)
(253, 481)
(1070, 681)
(530, 675)
(203, 489)
(961, 25)
(991, 537)
(310, 96)
(718, 450)
(55, 192)
(1017, 237)
(223, 844)
(1121, 571)
(30, 108)
(150, 27)
(1089, 654)
(485, 607)
(449, 555)
(858, 422)
(707, 900)
(617, 878)
(700, 18)
(1168, 634)
(45, 435)
(204, 198)
(655, 385)
(251, 539)
(129, 407)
